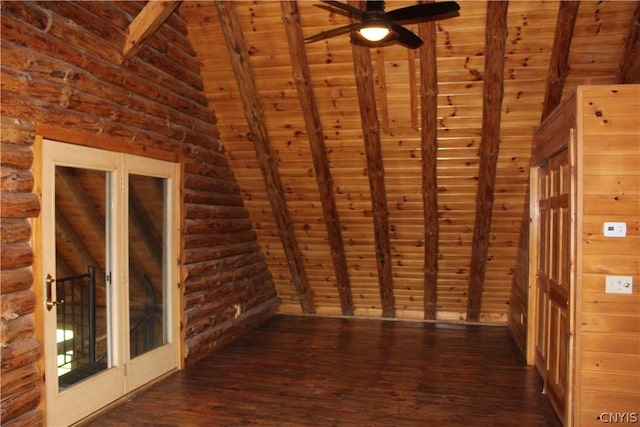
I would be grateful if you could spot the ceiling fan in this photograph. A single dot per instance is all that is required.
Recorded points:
(375, 27)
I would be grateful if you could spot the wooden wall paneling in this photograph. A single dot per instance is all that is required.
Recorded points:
(488, 151)
(254, 115)
(307, 98)
(608, 323)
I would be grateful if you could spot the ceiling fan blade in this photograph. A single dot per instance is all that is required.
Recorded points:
(334, 32)
(406, 37)
(424, 12)
(351, 10)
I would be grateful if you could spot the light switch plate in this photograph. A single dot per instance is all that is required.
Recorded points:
(614, 229)
(619, 284)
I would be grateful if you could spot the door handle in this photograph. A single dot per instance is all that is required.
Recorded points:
(51, 303)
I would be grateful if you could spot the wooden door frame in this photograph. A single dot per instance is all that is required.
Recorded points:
(44, 132)
(556, 133)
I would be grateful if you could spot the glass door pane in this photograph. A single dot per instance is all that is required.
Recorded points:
(81, 303)
(147, 295)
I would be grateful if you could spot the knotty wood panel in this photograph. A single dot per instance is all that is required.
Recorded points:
(609, 334)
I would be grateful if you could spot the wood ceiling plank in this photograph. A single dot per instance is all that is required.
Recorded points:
(254, 114)
(308, 105)
(496, 37)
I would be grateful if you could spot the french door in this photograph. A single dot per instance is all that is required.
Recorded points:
(109, 230)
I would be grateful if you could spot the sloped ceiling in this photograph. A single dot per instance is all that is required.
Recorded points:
(363, 239)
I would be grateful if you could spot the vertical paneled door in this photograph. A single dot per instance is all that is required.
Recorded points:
(551, 260)
(109, 227)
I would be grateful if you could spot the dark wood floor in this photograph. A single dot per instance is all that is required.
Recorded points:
(305, 371)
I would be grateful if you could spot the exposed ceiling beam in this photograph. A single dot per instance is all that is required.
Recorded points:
(429, 156)
(254, 114)
(143, 26)
(629, 70)
(309, 108)
(413, 98)
(375, 171)
(559, 62)
(493, 91)
(381, 86)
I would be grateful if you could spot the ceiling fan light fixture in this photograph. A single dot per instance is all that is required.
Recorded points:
(373, 27)
(375, 32)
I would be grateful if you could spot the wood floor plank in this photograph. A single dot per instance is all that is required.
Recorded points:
(311, 371)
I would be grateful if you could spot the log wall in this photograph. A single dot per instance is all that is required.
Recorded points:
(19, 373)
(63, 74)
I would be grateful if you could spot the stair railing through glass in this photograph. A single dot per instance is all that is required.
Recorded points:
(81, 333)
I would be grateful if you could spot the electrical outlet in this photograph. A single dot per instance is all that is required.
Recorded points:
(619, 284)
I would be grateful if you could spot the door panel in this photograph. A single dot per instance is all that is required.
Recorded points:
(556, 378)
(553, 275)
(80, 349)
(146, 284)
(152, 226)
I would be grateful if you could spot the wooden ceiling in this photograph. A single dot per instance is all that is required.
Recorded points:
(393, 182)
